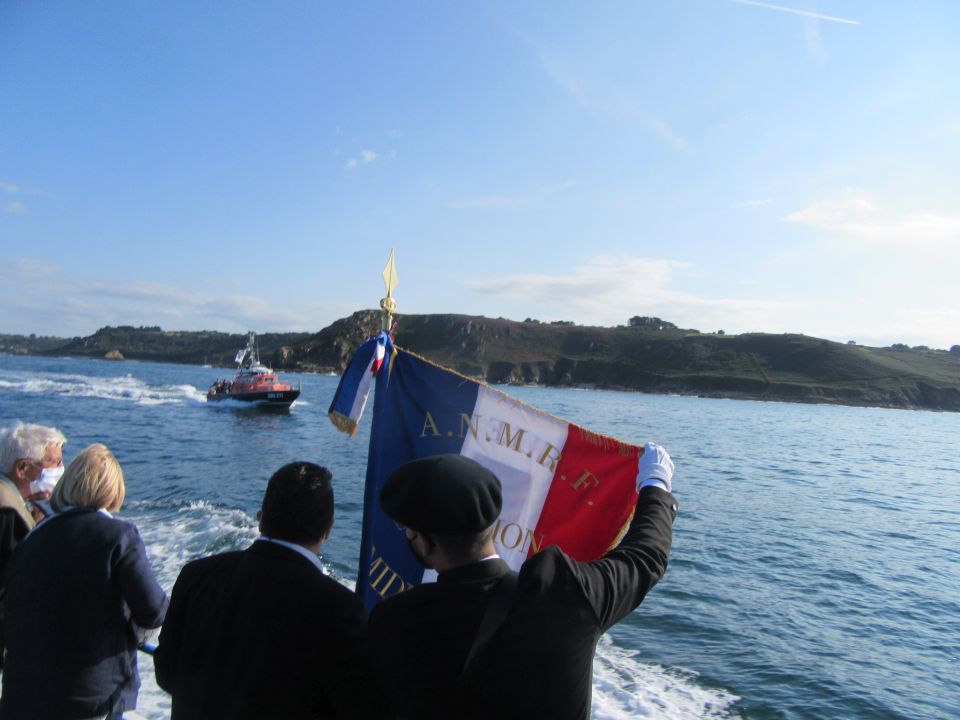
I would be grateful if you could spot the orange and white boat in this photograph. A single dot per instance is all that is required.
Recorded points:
(254, 383)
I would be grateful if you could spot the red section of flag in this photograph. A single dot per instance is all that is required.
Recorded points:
(378, 357)
(594, 486)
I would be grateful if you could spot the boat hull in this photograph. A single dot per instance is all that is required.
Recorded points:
(262, 398)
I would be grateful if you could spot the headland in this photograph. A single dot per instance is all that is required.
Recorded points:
(647, 355)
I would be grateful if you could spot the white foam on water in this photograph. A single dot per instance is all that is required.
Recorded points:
(625, 688)
(122, 388)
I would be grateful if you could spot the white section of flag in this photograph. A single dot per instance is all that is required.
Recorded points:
(500, 420)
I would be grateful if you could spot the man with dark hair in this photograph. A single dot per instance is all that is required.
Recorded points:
(263, 633)
(484, 643)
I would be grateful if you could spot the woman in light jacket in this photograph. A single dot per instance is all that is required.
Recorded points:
(79, 594)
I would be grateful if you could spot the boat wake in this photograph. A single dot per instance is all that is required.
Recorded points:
(623, 687)
(124, 388)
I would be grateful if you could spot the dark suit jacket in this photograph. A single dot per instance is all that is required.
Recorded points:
(261, 634)
(540, 664)
(74, 586)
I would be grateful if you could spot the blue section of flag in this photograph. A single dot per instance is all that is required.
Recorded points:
(420, 409)
(351, 395)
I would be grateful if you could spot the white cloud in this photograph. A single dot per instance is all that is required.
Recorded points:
(853, 215)
(608, 100)
(9, 187)
(26, 269)
(366, 157)
(794, 11)
(881, 321)
(599, 96)
(609, 290)
(815, 46)
(13, 208)
(144, 291)
(38, 297)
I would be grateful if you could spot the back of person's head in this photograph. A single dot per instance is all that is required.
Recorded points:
(463, 549)
(26, 441)
(298, 504)
(93, 479)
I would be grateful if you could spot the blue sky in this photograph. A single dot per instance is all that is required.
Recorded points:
(722, 164)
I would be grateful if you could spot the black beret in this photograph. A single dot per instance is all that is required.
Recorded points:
(442, 494)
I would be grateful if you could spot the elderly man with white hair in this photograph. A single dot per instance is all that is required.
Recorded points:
(31, 463)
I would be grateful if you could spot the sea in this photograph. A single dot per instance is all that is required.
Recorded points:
(815, 570)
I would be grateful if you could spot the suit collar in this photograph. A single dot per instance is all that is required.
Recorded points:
(482, 570)
(265, 544)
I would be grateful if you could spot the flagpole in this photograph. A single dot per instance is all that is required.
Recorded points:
(388, 305)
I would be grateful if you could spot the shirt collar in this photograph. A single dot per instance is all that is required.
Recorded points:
(297, 549)
(73, 508)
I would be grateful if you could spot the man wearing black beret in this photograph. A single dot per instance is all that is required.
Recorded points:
(482, 642)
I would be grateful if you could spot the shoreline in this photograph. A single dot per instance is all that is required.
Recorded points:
(673, 389)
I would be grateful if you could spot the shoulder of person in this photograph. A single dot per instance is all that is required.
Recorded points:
(209, 563)
(111, 525)
(326, 588)
(404, 602)
(9, 516)
(541, 565)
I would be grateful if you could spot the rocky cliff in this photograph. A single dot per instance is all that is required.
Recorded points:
(649, 355)
(656, 358)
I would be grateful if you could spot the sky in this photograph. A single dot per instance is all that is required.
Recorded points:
(721, 164)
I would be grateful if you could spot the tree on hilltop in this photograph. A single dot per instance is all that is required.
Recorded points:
(652, 323)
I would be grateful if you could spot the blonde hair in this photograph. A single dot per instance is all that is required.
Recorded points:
(93, 479)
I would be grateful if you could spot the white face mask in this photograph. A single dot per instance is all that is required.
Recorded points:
(49, 477)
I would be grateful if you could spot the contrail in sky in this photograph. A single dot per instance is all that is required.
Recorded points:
(805, 13)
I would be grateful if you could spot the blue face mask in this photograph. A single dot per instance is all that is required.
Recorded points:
(49, 477)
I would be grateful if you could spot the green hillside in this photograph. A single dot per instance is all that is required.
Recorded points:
(649, 355)
(756, 365)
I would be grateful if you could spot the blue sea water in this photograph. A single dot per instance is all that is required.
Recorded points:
(815, 571)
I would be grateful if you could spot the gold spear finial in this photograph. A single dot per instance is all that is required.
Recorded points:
(388, 304)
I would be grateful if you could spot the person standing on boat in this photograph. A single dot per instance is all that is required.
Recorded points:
(31, 463)
(80, 595)
(263, 632)
(530, 639)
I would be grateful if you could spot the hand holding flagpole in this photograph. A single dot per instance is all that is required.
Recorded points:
(388, 304)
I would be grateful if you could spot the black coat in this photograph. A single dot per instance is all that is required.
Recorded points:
(540, 664)
(75, 585)
(262, 634)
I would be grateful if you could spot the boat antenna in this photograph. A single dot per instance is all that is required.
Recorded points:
(388, 305)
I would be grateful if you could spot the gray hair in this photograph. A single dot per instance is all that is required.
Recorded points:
(26, 441)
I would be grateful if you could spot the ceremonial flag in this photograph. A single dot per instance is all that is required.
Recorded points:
(562, 484)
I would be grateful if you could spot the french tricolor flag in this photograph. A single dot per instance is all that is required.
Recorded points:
(562, 484)
(354, 388)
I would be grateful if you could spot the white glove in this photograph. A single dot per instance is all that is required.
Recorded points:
(656, 468)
